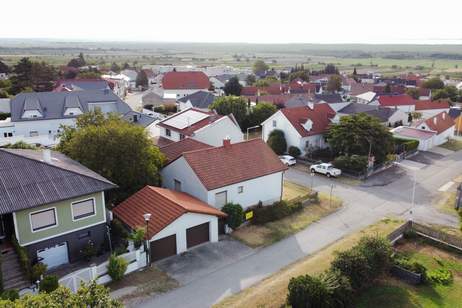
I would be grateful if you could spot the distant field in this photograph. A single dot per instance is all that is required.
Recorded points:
(389, 59)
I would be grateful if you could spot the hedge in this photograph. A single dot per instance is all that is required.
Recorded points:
(356, 163)
(409, 145)
(278, 210)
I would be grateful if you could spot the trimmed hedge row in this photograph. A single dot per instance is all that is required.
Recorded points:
(278, 210)
(409, 145)
(357, 163)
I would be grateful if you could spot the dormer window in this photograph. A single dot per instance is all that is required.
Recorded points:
(308, 125)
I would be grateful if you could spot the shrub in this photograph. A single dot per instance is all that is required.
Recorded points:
(89, 251)
(278, 210)
(49, 283)
(354, 265)
(137, 236)
(354, 163)
(277, 142)
(166, 109)
(37, 271)
(235, 215)
(412, 266)
(307, 291)
(329, 289)
(294, 151)
(378, 252)
(11, 295)
(116, 267)
(440, 276)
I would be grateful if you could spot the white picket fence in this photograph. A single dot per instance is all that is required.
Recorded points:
(136, 260)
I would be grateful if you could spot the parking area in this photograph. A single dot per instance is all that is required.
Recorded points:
(204, 259)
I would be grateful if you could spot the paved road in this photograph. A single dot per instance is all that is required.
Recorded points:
(382, 195)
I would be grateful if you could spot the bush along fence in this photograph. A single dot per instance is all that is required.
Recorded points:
(413, 272)
(135, 260)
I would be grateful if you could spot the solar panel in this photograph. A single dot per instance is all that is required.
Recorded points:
(186, 119)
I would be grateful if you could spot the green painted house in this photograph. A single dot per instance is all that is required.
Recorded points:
(52, 205)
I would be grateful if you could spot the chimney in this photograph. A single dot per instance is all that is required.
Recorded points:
(435, 120)
(226, 142)
(47, 156)
(444, 115)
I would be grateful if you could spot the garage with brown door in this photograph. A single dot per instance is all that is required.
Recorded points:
(163, 248)
(197, 235)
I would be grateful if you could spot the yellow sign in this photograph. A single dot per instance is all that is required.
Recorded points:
(249, 215)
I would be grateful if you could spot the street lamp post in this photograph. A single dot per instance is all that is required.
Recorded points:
(249, 128)
(147, 217)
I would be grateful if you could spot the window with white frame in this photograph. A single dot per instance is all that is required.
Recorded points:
(177, 185)
(275, 124)
(240, 189)
(82, 209)
(43, 219)
(168, 132)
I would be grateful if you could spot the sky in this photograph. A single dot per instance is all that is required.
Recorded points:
(249, 21)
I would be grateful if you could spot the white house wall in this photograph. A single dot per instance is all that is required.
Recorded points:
(429, 113)
(47, 131)
(214, 133)
(181, 171)
(290, 133)
(184, 222)
(267, 189)
(179, 93)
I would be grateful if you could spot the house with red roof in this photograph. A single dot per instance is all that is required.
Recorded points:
(178, 221)
(246, 173)
(429, 108)
(204, 126)
(442, 124)
(303, 127)
(180, 84)
(403, 101)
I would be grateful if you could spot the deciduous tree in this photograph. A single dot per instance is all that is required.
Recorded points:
(226, 105)
(233, 87)
(356, 134)
(116, 149)
(334, 83)
(260, 67)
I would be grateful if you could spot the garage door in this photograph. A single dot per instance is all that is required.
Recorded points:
(197, 235)
(163, 248)
(54, 256)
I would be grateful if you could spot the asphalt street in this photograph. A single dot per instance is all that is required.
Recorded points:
(385, 194)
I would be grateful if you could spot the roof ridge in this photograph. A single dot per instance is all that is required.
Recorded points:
(61, 168)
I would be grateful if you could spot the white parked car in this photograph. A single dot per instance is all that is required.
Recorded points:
(288, 160)
(326, 169)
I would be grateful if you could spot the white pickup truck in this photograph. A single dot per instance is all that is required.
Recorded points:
(326, 169)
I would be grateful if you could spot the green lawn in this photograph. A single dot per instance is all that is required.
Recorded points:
(453, 145)
(391, 292)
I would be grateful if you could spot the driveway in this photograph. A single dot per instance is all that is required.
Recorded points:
(362, 206)
(204, 259)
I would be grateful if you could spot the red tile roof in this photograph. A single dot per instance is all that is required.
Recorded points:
(429, 104)
(440, 122)
(188, 131)
(249, 91)
(162, 142)
(320, 115)
(185, 80)
(233, 163)
(164, 205)
(396, 100)
(174, 150)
